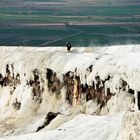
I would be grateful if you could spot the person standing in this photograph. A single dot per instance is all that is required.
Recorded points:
(68, 45)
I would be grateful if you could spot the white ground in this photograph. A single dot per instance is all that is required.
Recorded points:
(120, 62)
(82, 127)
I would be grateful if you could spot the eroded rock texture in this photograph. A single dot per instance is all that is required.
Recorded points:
(96, 91)
(10, 79)
(36, 88)
(74, 88)
(49, 117)
(71, 83)
(54, 84)
(16, 104)
(69, 86)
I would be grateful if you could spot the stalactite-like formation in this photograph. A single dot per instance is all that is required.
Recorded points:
(10, 79)
(74, 88)
(36, 88)
(71, 83)
(54, 84)
(76, 92)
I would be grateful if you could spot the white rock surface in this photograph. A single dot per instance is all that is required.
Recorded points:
(118, 62)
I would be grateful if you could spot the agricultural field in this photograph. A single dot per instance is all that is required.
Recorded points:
(52, 22)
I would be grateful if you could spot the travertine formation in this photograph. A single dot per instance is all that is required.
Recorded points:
(34, 82)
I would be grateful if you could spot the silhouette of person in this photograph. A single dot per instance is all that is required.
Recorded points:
(68, 45)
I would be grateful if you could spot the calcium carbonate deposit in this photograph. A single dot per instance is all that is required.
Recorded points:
(87, 93)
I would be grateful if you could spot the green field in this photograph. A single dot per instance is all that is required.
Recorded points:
(77, 35)
(21, 23)
(71, 10)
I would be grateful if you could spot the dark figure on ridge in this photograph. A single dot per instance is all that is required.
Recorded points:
(68, 45)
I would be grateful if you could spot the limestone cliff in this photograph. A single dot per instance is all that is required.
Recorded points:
(96, 81)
